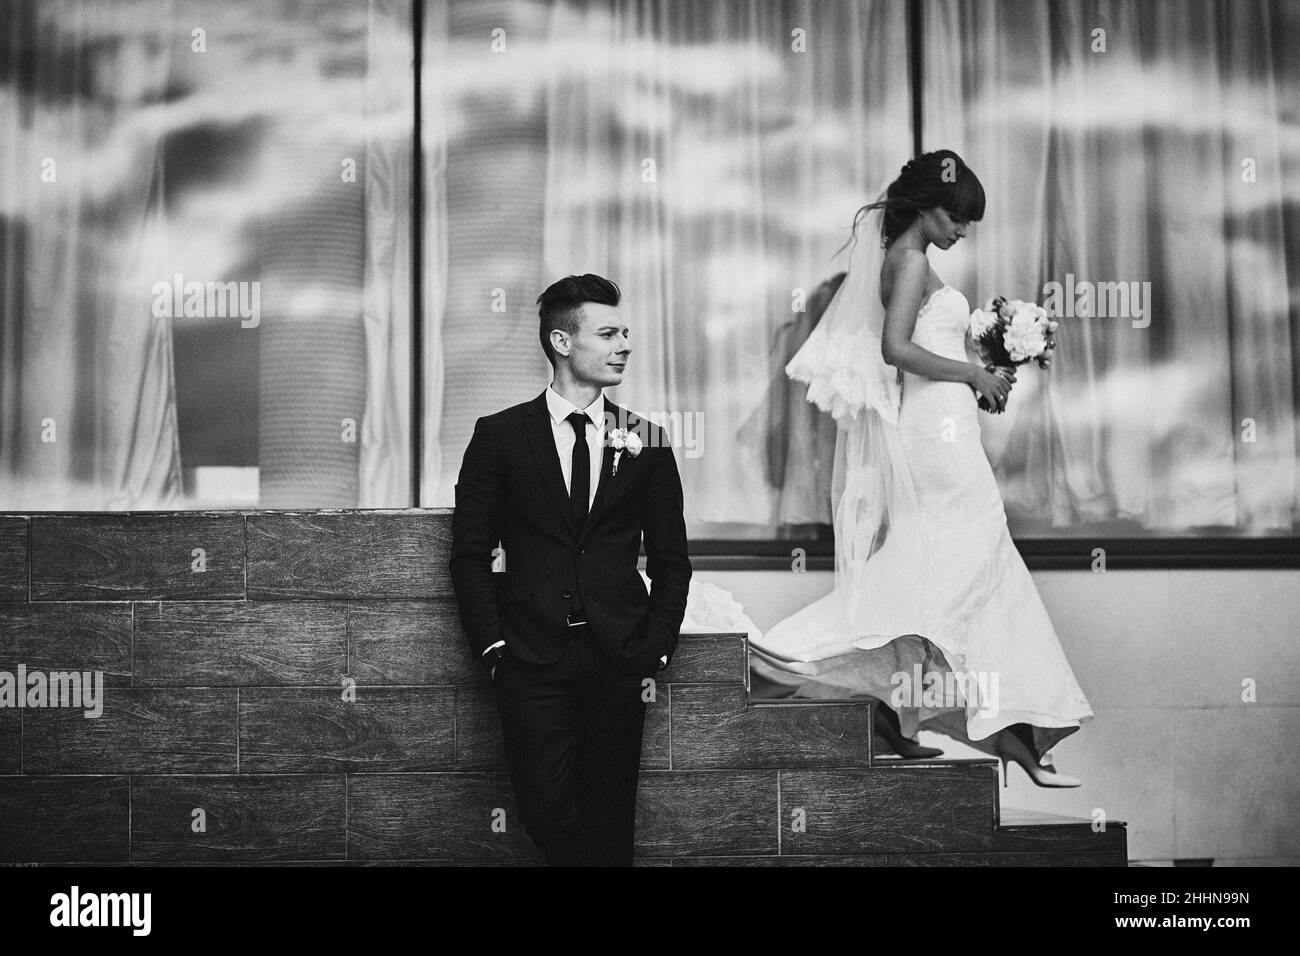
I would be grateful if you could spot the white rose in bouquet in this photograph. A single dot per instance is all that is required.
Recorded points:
(1026, 334)
(981, 322)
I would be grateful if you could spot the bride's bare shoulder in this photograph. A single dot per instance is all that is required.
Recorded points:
(905, 271)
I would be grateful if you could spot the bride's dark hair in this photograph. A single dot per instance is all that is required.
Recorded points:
(940, 178)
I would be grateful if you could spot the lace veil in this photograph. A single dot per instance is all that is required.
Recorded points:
(879, 548)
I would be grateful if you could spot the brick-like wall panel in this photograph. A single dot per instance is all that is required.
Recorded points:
(348, 555)
(323, 730)
(72, 636)
(410, 642)
(240, 643)
(13, 559)
(11, 741)
(141, 730)
(309, 696)
(298, 817)
(137, 557)
(64, 820)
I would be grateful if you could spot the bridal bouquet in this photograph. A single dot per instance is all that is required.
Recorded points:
(1011, 332)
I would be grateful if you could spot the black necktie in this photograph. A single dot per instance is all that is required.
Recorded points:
(580, 474)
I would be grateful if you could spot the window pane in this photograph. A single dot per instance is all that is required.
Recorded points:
(1141, 182)
(205, 249)
(708, 157)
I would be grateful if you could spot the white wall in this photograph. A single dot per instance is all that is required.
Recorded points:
(1173, 749)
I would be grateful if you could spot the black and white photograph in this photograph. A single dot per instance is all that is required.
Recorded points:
(519, 434)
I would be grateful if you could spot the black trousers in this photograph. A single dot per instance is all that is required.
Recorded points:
(572, 734)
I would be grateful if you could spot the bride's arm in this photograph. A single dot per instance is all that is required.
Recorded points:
(900, 321)
(899, 350)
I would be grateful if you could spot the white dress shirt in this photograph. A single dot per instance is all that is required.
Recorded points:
(561, 408)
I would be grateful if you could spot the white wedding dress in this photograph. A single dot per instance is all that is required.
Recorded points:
(928, 582)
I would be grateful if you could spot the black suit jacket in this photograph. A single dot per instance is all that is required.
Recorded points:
(511, 490)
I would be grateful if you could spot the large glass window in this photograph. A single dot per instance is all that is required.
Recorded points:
(209, 222)
(204, 254)
(708, 156)
(1143, 172)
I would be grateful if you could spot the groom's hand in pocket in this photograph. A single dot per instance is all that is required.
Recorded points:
(492, 658)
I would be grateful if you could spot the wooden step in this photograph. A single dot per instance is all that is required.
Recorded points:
(715, 727)
(1005, 859)
(709, 659)
(838, 860)
(896, 813)
(912, 807)
(1027, 838)
(1030, 831)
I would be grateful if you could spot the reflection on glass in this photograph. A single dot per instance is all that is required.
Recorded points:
(205, 228)
(1140, 161)
(205, 238)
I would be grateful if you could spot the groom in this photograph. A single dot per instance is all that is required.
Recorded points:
(568, 631)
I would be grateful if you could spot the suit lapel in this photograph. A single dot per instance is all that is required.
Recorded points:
(620, 419)
(541, 445)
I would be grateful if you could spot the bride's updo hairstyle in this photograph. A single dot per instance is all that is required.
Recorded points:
(940, 178)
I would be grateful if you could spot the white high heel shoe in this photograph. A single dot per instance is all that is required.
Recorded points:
(1044, 775)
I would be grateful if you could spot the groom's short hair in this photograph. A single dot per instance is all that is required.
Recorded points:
(560, 306)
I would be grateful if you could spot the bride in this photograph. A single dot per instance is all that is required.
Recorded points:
(933, 611)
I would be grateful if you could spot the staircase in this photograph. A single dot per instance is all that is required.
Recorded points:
(308, 697)
(728, 780)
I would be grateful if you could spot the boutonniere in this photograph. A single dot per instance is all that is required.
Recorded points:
(623, 440)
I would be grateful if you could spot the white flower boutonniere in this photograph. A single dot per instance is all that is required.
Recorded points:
(624, 441)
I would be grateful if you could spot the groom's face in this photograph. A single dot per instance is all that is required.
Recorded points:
(598, 353)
